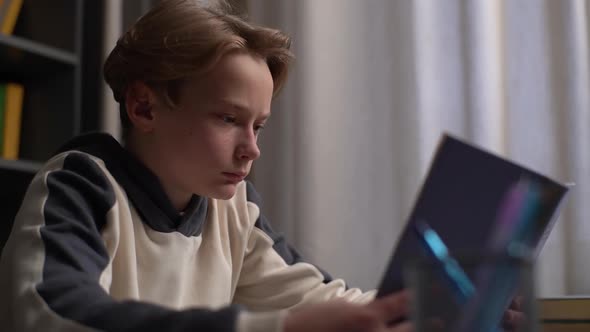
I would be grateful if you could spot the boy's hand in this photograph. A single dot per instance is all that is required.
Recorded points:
(341, 316)
(513, 317)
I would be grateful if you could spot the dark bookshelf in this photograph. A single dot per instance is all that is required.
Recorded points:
(16, 174)
(21, 166)
(45, 55)
(23, 57)
(56, 52)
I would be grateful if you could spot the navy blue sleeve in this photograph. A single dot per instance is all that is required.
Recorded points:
(79, 197)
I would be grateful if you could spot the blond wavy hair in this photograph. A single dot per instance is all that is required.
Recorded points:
(178, 39)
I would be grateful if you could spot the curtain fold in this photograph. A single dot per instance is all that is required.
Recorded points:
(112, 30)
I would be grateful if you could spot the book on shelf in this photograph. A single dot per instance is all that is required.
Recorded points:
(13, 105)
(9, 11)
(2, 107)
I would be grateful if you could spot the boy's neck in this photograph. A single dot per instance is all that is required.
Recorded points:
(139, 149)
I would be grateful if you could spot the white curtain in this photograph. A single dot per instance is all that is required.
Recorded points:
(375, 84)
(112, 30)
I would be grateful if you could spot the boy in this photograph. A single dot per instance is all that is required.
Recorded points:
(163, 233)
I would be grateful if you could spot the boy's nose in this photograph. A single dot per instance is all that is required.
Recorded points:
(249, 150)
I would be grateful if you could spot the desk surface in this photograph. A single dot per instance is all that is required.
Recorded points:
(565, 314)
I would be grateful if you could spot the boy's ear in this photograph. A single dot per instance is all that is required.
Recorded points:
(140, 102)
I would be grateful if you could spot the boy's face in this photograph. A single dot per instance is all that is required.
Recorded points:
(208, 144)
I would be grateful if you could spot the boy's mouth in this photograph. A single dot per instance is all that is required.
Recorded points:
(235, 177)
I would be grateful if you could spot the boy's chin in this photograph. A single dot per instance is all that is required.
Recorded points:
(223, 192)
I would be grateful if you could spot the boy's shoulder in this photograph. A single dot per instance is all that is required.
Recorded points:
(74, 162)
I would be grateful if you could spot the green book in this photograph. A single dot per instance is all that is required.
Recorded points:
(2, 108)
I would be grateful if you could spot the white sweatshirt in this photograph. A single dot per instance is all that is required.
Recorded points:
(97, 245)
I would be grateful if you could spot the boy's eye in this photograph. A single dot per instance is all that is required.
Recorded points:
(258, 128)
(228, 119)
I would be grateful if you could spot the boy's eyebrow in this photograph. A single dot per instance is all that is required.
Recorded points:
(265, 116)
(235, 105)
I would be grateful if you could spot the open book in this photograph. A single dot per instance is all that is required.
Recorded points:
(461, 199)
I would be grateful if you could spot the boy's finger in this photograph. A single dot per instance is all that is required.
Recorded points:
(393, 306)
(403, 327)
(516, 303)
(512, 320)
